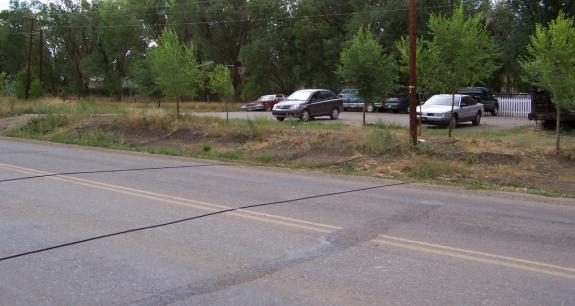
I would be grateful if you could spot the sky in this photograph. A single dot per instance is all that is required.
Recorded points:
(4, 4)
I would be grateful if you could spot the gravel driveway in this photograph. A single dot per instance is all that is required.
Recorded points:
(355, 118)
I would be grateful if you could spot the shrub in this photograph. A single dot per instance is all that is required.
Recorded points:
(380, 142)
(46, 124)
(206, 147)
(36, 90)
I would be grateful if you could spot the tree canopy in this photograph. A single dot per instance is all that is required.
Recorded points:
(550, 64)
(274, 45)
(365, 67)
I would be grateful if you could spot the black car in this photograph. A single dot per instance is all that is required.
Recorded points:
(397, 103)
(483, 96)
(307, 104)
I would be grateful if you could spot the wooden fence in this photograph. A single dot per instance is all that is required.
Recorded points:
(514, 106)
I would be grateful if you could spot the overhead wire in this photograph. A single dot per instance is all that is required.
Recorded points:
(226, 21)
(143, 228)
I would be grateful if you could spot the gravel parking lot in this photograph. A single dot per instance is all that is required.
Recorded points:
(487, 123)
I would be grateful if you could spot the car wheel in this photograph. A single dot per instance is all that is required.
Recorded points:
(268, 108)
(395, 111)
(495, 111)
(305, 116)
(280, 118)
(370, 108)
(453, 121)
(334, 114)
(477, 119)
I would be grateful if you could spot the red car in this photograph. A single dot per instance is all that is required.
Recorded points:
(266, 103)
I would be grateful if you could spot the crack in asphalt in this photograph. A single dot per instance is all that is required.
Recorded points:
(328, 245)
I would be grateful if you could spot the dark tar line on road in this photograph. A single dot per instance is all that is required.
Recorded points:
(179, 220)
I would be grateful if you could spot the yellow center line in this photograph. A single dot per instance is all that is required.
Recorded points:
(477, 253)
(308, 225)
(563, 272)
(421, 246)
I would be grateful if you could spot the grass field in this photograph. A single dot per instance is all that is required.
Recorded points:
(521, 159)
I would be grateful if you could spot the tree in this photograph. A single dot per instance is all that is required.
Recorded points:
(425, 77)
(174, 65)
(366, 67)
(3, 84)
(221, 83)
(461, 53)
(551, 64)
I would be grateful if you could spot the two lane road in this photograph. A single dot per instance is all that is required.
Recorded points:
(309, 239)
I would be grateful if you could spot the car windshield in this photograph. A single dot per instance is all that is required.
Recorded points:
(440, 100)
(300, 95)
(268, 97)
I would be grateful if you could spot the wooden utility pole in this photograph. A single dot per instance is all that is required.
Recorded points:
(27, 90)
(41, 51)
(412, 74)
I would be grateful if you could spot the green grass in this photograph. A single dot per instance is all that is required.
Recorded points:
(380, 143)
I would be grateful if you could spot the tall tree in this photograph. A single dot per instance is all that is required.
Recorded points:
(461, 53)
(119, 40)
(268, 58)
(221, 83)
(175, 68)
(365, 66)
(551, 64)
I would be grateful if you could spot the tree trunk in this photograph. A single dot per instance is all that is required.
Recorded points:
(227, 113)
(452, 107)
(557, 131)
(364, 108)
(177, 107)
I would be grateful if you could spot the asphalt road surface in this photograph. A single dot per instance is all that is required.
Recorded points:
(323, 240)
(356, 118)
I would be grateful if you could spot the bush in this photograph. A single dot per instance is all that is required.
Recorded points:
(20, 84)
(206, 147)
(36, 90)
(380, 142)
(46, 124)
(64, 93)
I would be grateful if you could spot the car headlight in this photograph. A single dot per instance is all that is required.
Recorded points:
(296, 106)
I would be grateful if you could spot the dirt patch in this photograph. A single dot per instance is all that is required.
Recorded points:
(13, 123)
(488, 158)
(520, 159)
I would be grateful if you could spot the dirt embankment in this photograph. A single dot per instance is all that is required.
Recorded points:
(521, 159)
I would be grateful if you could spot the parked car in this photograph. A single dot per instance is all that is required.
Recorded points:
(307, 104)
(397, 103)
(483, 96)
(351, 99)
(437, 110)
(543, 110)
(266, 103)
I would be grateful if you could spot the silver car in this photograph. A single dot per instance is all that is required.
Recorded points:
(437, 110)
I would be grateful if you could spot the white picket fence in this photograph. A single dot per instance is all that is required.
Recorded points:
(514, 106)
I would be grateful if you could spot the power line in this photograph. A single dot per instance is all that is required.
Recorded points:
(139, 229)
(224, 21)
